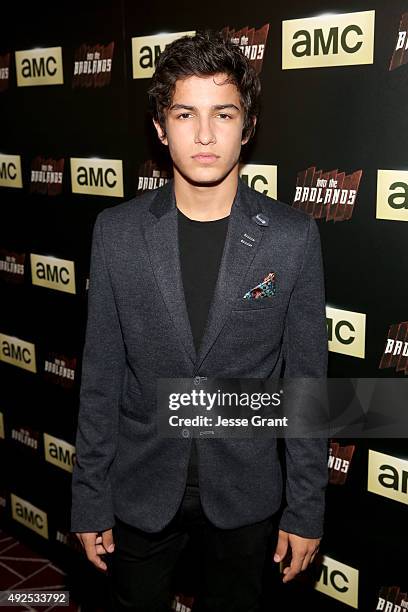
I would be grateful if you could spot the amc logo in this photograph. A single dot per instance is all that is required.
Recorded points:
(147, 49)
(97, 176)
(29, 516)
(53, 273)
(262, 178)
(392, 195)
(17, 352)
(338, 581)
(59, 452)
(39, 67)
(10, 171)
(388, 476)
(346, 331)
(329, 40)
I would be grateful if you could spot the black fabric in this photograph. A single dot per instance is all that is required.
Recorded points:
(200, 246)
(231, 572)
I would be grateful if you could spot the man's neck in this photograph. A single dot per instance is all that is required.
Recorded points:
(205, 202)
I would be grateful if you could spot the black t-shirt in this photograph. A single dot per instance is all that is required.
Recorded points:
(201, 244)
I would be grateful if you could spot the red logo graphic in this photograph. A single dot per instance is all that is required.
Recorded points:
(4, 71)
(150, 176)
(182, 603)
(400, 55)
(60, 370)
(339, 462)
(396, 349)
(46, 175)
(12, 266)
(327, 195)
(390, 599)
(26, 436)
(251, 42)
(93, 65)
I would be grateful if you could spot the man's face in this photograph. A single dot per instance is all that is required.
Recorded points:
(205, 118)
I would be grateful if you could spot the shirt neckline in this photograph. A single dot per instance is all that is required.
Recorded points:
(197, 222)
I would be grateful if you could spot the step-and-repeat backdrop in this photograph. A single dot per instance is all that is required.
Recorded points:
(331, 140)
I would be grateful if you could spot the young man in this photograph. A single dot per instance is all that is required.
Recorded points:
(169, 270)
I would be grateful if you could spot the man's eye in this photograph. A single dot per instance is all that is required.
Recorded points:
(186, 115)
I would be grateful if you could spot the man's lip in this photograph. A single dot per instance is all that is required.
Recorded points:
(205, 155)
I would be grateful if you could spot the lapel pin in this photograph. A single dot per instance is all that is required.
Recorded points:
(261, 219)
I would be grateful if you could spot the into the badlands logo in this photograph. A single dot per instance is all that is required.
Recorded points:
(327, 195)
(150, 176)
(4, 71)
(93, 65)
(46, 175)
(390, 599)
(396, 349)
(60, 369)
(12, 266)
(400, 55)
(339, 462)
(26, 436)
(251, 42)
(182, 603)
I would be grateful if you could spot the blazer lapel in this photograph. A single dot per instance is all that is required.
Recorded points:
(236, 259)
(162, 243)
(241, 244)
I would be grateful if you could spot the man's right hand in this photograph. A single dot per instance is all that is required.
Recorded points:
(96, 545)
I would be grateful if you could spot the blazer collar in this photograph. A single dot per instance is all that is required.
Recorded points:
(165, 200)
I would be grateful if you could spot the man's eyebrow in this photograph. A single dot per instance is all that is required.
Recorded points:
(214, 107)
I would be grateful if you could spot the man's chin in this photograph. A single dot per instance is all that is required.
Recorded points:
(204, 179)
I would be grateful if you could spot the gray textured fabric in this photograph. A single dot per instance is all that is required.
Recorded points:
(138, 330)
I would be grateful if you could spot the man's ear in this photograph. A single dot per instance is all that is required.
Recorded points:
(162, 138)
(245, 140)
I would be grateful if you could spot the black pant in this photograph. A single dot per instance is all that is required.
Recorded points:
(231, 562)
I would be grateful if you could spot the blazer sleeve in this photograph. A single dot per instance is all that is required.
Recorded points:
(103, 365)
(305, 350)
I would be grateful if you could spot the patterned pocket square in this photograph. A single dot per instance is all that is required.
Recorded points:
(266, 288)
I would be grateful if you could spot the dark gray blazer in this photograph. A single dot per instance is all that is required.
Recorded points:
(138, 330)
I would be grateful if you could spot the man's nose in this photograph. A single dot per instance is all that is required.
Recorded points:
(205, 133)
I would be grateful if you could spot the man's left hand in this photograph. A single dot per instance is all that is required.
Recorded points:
(303, 552)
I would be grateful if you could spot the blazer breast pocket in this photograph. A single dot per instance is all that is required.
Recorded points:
(258, 304)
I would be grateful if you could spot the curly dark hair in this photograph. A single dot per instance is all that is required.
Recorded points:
(204, 54)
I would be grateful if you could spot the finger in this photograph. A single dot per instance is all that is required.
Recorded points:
(281, 547)
(94, 558)
(100, 549)
(293, 569)
(306, 562)
(98, 563)
(107, 540)
(312, 558)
